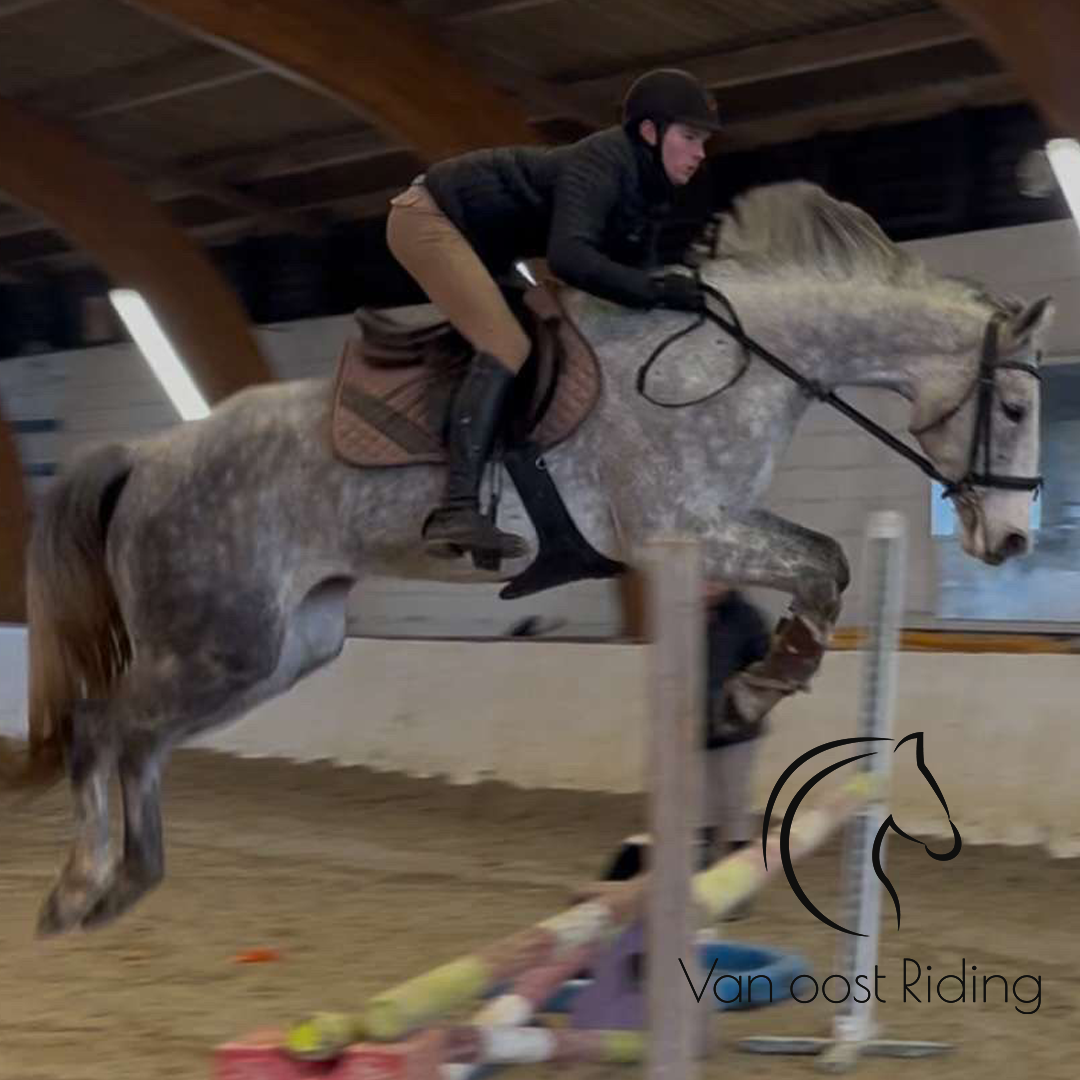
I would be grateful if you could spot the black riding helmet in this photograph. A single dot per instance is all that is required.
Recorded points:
(669, 96)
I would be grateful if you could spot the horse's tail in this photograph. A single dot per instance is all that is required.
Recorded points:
(78, 643)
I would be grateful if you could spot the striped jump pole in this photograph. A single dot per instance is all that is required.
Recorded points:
(667, 895)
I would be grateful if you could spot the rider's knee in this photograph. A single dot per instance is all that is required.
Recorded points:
(515, 349)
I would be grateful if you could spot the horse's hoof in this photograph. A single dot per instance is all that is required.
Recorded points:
(52, 919)
(66, 907)
(105, 911)
(121, 896)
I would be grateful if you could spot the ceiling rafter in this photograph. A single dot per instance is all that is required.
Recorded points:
(9, 8)
(810, 52)
(540, 98)
(171, 184)
(234, 179)
(375, 59)
(162, 189)
(254, 163)
(187, 69)
(184, 70)
(460, 11)
(890, 107)
(544, 102)
(894, 107)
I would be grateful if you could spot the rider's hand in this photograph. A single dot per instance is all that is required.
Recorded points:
(679, 292)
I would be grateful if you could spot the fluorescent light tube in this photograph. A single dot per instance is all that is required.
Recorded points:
(160, 355)
(523, 269)
(1064, 155)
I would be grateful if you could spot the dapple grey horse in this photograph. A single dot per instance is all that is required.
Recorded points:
(177, 581)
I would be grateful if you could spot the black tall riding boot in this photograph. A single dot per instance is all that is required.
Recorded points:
(456, 526)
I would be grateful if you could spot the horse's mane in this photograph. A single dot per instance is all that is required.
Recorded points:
(798, 228)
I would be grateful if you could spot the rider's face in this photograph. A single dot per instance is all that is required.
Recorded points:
(682, 152)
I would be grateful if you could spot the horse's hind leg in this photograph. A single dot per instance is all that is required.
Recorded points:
(143, 864)
(126, 734)
(174, 701)
(87, 872)
(155, 704)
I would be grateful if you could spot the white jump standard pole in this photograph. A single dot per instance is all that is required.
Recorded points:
(854, 1027)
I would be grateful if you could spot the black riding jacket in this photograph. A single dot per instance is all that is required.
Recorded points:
(593, 209)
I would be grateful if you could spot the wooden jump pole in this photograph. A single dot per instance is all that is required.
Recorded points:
(675, 769)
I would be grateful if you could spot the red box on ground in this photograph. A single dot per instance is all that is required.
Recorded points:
(260, 1056)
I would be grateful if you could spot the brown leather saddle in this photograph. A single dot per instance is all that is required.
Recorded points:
(395, 383)
(394, 386)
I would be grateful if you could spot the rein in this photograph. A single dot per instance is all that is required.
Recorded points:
(983, 382)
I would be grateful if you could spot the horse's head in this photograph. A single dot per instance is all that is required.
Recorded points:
(968, 362)
(978, 422)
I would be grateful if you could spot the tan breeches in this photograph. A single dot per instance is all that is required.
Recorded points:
(431, 248)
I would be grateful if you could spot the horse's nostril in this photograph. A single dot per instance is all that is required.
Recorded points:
(1015, 545)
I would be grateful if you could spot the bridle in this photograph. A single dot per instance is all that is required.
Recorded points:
(984, 385)
(990, 363)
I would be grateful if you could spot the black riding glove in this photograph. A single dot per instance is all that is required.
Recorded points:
(679, 292)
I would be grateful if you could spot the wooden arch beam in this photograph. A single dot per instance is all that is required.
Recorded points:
(1037, 41)
(14, 529)
(138, 247)
(371, 57)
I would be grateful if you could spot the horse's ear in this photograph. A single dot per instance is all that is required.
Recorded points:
(1030, 323)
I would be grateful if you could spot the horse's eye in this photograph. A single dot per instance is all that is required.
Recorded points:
(1013, 413)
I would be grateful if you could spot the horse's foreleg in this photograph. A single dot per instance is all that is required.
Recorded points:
(769, 551)
(795, 653)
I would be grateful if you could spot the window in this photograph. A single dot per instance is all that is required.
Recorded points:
(943, 515)
(1043, 587)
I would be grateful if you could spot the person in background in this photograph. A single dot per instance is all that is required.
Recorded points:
(736, 637)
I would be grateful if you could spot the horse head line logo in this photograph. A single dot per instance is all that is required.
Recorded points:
(886, 825)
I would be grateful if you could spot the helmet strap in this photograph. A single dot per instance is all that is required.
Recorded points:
(658, 149)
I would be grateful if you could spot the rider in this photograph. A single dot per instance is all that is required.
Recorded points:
(592, 208)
